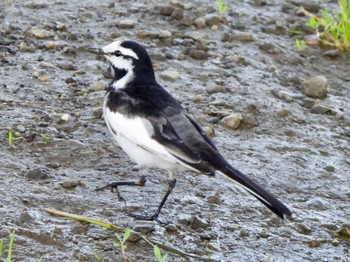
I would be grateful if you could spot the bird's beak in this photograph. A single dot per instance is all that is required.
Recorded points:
(95, 50)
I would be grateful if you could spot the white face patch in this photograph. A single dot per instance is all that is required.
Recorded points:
(120, 62)
(117, 46)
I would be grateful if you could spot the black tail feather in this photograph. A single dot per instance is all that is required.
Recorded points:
(261, 194)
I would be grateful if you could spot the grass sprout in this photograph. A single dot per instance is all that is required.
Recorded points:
(300, 44)
(222, 7)
(10, 138)
(333, 30)
(121, 242)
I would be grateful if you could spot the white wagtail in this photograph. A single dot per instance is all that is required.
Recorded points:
(154, 130)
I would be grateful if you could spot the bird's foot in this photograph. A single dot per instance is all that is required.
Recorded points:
(153, 217)
(114, 186)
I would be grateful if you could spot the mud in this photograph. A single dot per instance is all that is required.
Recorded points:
(51, 96)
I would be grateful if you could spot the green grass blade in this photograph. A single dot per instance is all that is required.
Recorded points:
(12, 239)
(1, 243)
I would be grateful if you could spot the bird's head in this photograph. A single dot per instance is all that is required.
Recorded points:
(130, 62)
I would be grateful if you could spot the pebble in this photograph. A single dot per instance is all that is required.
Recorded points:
(321, 108)
(243, 37)
(212, 19)
(314, 243)
(20, 128)
(197, 99)
(37, 173)
(65, 117)
(303, 229)
(70, 184)
(169, 75)
(127, 24)
(344, 231)
(232, 121)
(166, 10)
(177, 14)
(197, 222)
(214, 89)
(164, 34)
(248, 122)
(199, 22)
(329, 168)
(97, 86)
(143, 226)
(187, 20)
(195, 35)
(215, 199)
(315, 87)
(209, 131)
(67, 66)
(198, 54)
(285, 96)
(47, 65)
(97, 112)
(283, 113)
(171, 228)
(42, 33)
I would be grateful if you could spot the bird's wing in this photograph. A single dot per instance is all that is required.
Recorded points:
(184, 139)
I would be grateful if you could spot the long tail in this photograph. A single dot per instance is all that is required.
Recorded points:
(261, 194)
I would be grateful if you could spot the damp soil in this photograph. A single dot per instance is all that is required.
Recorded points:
(244, 61)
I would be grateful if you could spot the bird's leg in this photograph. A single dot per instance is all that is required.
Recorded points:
(114, 186)
(154, 217)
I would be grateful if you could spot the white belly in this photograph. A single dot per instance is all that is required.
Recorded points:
(134, 135)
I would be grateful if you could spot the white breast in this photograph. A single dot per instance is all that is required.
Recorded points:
(134, 135)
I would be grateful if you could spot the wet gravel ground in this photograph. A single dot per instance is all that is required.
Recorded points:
(279, 114)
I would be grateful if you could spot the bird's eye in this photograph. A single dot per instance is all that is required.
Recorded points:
(117, 53)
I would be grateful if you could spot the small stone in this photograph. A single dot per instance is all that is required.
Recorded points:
(127, 24)
(248, 122)
(283, 95)
(196, 35)
(198, 54)
(20, 128)
(321, 108)
(243, 37)
(65, 117)
(186, 20)
(329, 168)
(199, 22)
(311, 7)
(197, 222)
(183, 221)
(314, 243)
(47, 65)
(283, 113)
(335, 242)
(166, 10)
(212, 19)
(143, 226)
(197, 99)
(260, 2)
(215, 199)
(177, 14)
(70, 184)
(315, 87)
(332, 53)
(37, 173)
(42, 33)
(303, 229)
(171, 228)
(164, 34)
(209, 131)
(97, 112)
(67, 66)
(97, 86)
(214, 89)
(232, 121)
(169, 75)
(344, 231)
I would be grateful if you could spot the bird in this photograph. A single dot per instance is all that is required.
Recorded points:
(155, 131)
